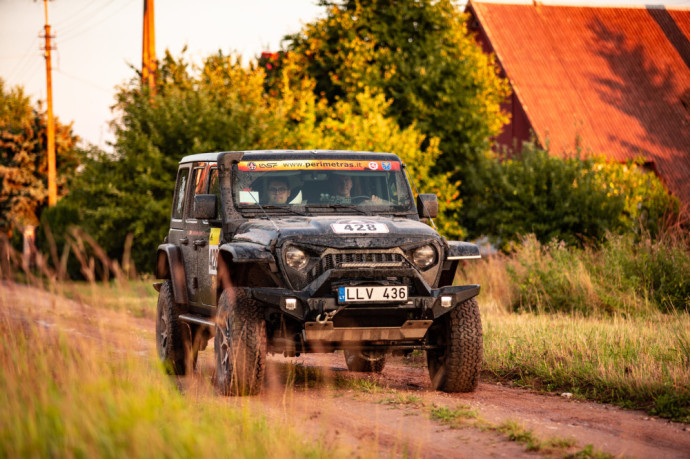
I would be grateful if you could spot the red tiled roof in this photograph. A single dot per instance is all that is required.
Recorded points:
(617, 78)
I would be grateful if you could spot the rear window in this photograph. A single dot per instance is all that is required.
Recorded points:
(180, 187)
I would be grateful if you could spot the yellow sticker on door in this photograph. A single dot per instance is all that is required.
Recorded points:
(213, 241)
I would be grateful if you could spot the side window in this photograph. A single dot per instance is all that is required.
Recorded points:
(214, 183)
(180, 187)
(199, 185)
(214, 188)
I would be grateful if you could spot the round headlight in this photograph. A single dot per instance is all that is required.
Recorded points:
(295, 258)
(424, 256)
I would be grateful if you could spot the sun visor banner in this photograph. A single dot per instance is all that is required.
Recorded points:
(318, 164)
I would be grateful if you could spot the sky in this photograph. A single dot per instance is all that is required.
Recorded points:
(98, 41)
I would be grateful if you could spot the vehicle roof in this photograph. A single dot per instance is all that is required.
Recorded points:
(292, 154)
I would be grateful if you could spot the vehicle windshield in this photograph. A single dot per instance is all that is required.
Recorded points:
(320, 184)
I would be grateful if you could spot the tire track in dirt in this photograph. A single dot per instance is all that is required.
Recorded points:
(365, 422)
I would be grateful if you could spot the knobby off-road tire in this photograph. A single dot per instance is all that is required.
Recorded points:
(173, 337)
(456, 365)
(356, 361)
(240, 344)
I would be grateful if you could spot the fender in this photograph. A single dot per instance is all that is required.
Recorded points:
(247, 252)
(169, 265)
(240, 252)
(462, 251)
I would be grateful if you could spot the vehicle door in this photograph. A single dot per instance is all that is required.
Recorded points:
(196, 232)
(178, 230)
(207, 257)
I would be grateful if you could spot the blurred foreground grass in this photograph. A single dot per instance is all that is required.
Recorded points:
(134, 297)
(66, 392)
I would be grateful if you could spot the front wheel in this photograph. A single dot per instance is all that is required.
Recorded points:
(240, 344)
(365, 361)
(455, 365)
(173, 337)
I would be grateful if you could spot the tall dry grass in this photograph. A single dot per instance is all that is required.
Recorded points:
(610, 324)
(77, 381)
(79, 376)
(636, 362)
(625, 275)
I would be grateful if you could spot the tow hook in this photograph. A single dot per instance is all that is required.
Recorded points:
(326, 317)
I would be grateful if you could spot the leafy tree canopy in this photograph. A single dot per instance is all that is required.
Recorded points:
(23, 159)
(221, 106)
(575, 200)
(420, 56)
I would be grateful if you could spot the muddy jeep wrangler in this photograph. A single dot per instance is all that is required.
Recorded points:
(310, 251)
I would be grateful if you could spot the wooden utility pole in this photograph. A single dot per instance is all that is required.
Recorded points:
(52, 176)
(148, 51)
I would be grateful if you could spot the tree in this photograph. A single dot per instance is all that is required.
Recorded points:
(419, 54)
(23, 161)
(218, 107)
(362, 123)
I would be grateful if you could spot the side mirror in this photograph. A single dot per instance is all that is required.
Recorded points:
(427, 205)
(205, 206)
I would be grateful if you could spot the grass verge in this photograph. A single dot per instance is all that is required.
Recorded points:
(67, 395)
(637, 363)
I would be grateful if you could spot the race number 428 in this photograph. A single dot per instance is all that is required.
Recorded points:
(359, 227)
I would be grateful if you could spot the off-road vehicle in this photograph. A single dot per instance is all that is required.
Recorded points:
(343, 261)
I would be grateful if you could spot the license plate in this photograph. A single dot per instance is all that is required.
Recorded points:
(374, 294)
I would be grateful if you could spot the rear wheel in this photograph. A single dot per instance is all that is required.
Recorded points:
(240, 344)
(365, 361)
(455, 366)
(173, 337)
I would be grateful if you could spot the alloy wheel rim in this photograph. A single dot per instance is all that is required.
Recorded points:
(163, 336)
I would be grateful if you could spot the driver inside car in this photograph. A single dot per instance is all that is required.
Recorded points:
(278, 191)
(342, 190)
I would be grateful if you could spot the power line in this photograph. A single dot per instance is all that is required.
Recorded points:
(83, 80)
(85, 14)
(27, 59)
(70, 35)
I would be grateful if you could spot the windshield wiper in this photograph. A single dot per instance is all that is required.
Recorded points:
(288, 208)
(341, 206)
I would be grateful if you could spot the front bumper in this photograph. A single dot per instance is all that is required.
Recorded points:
(309, 308)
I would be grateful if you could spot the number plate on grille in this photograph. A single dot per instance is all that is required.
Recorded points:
(359, 227)
(374, 294)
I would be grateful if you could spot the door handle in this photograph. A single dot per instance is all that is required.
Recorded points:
(184, 241)
(200, 243)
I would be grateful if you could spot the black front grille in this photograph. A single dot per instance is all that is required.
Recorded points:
(356, 260)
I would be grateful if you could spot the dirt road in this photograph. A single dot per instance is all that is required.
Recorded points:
(390, 414)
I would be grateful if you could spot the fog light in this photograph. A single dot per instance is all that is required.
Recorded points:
(446, 301)
(290, 304)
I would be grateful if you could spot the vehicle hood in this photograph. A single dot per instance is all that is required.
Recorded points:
(330, 231)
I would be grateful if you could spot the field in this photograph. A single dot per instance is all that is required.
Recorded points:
(79, 377)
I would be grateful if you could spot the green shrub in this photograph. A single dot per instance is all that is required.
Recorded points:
(657, 270)
(624, 275)
(569, 199)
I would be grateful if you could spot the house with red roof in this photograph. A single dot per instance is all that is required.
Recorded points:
(616, 80)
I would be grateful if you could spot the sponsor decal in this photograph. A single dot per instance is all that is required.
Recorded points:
(213, 241)
(317, 164)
